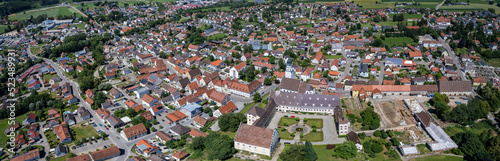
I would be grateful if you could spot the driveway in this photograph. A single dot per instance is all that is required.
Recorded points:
(330, 135)
(91, 147)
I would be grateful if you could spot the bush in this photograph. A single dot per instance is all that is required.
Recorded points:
(301, 135)
(305, 119)
(292, 134)
(330, 146)
(297, 119)
(314, 129)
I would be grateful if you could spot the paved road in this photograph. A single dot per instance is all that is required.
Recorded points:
(440, 4)
(455, 59)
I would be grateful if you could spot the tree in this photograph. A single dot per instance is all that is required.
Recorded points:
(345, 150)
(310, 153)
(103, 134)
(154, 121)
(230, 122)
(295, 152)
(257, 97)
(267, 81)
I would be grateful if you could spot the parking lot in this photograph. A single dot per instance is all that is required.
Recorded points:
(90, 147)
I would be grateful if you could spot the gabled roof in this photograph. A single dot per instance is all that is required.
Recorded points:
(105, 153)
(229, 107)
(134, 130)
(253, 135)
(200, 120)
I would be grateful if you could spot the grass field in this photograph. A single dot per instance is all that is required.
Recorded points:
(83, 131)
(493, 62)
(370, 4)
(5, 124)
(48, 76)
(313, 136)
(473, 5)
(52, 12)
(225, 8)
(35, 50)
(288, 120)
(438, 157)
(228, 133)
(80, 26)
(320, 1)
(409, 16)
(3, 28)
(247, 107)
(217, 37)
(326, 154)
(318, 123)
(395, 41)
(285, 135)
(333, 56)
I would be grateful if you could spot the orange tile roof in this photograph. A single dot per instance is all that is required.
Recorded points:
(227, 108)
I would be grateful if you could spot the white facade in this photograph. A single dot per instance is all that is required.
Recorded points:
(233, 73)
(344, 128)
(299, 109)
(251, 119)
(268, 151)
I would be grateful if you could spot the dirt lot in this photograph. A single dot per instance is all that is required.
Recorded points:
(355, 108)
(391, 115)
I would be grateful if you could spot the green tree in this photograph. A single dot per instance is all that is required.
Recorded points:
(230, 122)
(295, 152)
(345, 150)
(310, 153)
(267, 81)
(257, 97)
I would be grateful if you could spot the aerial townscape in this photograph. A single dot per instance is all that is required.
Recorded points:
(238, 80)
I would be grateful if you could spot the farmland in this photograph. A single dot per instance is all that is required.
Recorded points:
(51, 12)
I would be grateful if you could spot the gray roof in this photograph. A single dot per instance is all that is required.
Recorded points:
(315, 101)
(181, 130)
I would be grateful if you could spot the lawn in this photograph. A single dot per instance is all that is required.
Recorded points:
(493, 62)
(318, 123)
(52, 12)
(438, 157)
(261, 105)
(48, 76)
(409, 16)
(63, 158)
(371, 4)
(471, 6)
(247, 107)
(333, 56)
(3, 28)
(287, 120)
(5, 124)
(224, 8)
(285, 135)
(228, 133)
(83, 131)
(80, 26)
(313, 136)
(397, 41)
(217, 37)
(326, 154)
(35, 50)
(422, 148)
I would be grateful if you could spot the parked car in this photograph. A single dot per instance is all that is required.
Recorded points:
(292, 116)
(285, 116)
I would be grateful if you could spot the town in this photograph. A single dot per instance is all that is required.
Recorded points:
(249, 80)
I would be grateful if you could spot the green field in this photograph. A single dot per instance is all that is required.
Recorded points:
(83, 131)
(409, 16)
(320, 1)
(333, 56)
(371, 4)
(326, 154)
(80, 26)
(313, 137)
(318, 123)
(48, 76)
(493, 62)
(479, 5)
(438, 157)
(397, 41)
(288, 120)
(52, 12)
(3, 28)
(285, 135)
(247, 107)
(5, 124)
(217, 37)
(224, 8)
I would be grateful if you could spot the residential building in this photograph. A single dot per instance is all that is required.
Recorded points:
(143, 147)
(342, 123)
(134, 132)
(352, 136)
(227, 108)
